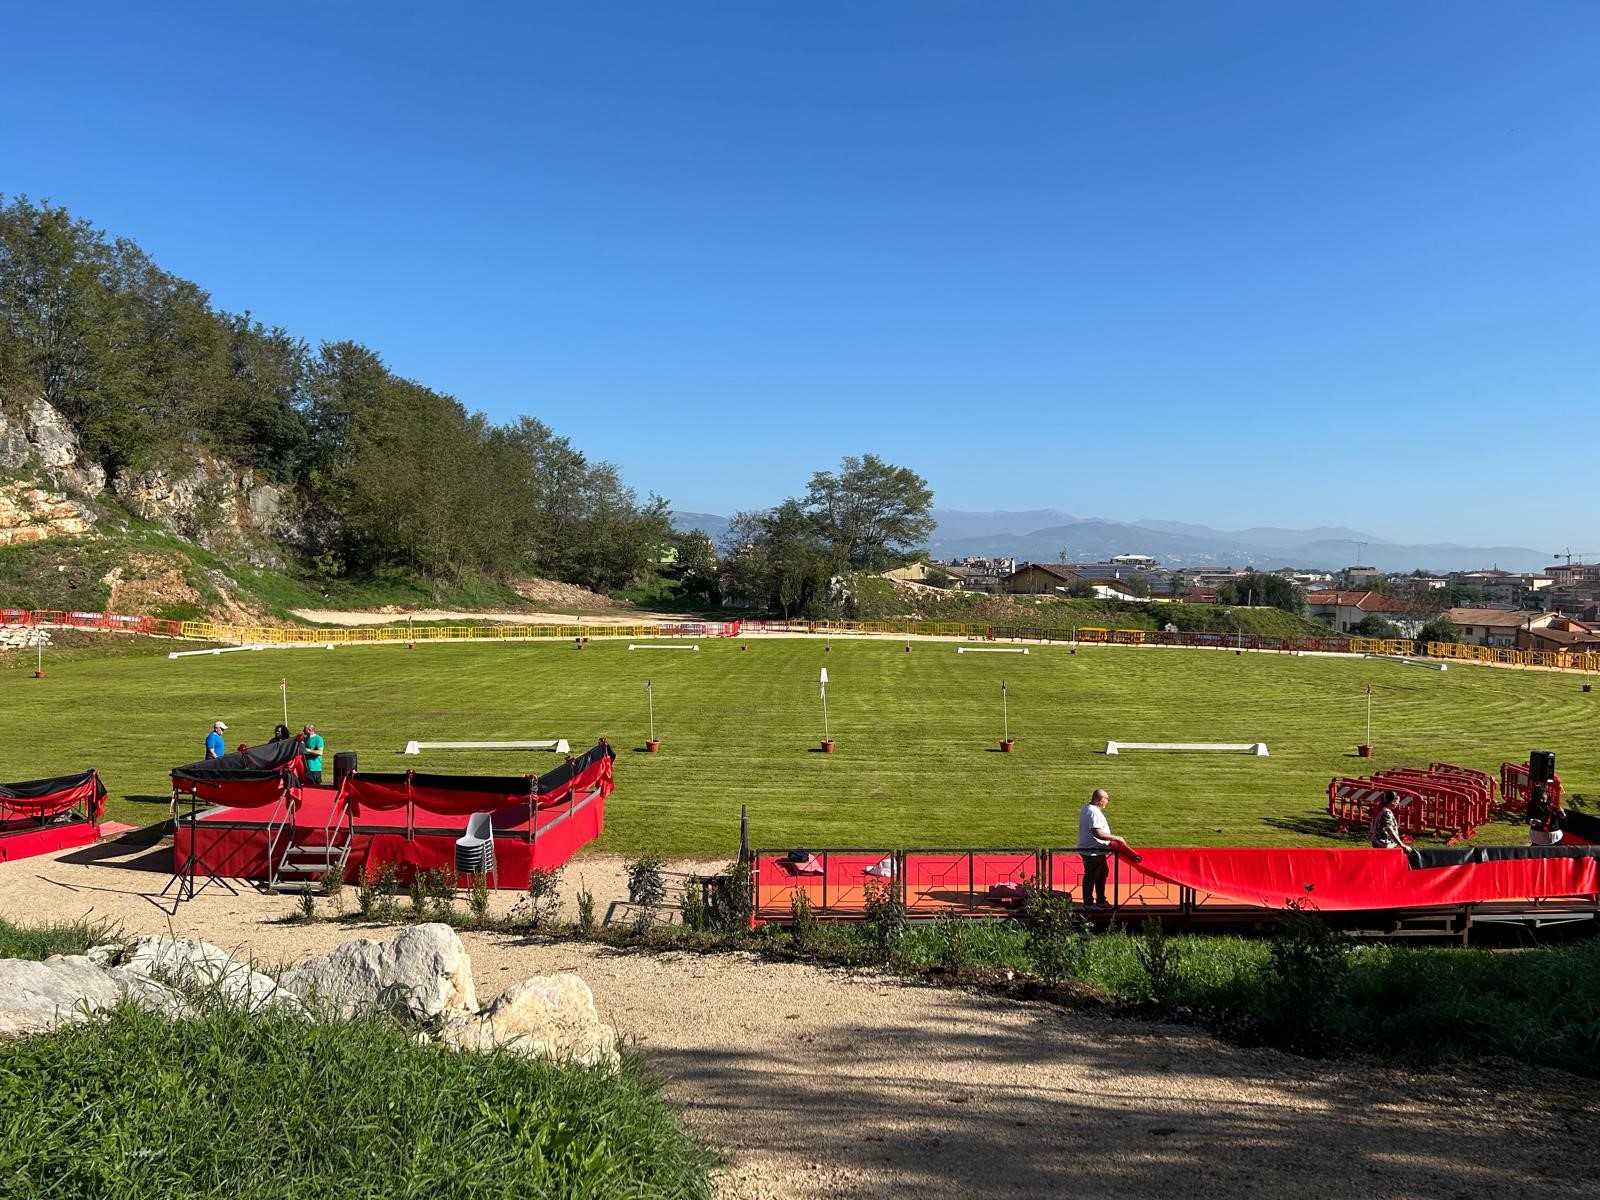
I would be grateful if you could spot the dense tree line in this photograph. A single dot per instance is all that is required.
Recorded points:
(391, 473)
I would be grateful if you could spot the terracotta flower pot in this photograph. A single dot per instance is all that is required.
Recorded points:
(1364, 750)
(827, 746)
(653, 745)
(1007, 744)
(1588, 687)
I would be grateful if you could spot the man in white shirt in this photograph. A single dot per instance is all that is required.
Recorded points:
(1095, 841)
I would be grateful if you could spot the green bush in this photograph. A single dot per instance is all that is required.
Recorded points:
(647, 888)
(953, 940)
(1159, 958)
(585, 900)
(544, 897)
(1057, 937)
(802, 924)
(1307, 968)
(274, 1107)
(885, 923)
(62, 937)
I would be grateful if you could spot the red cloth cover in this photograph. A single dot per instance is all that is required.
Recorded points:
(86, 791)
(235, 793)
(1362, 879)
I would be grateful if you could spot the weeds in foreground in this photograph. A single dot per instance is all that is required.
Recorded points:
(1159, 958)
(585, 901)
(493, 1124)
(1057, 937)
(885, 922)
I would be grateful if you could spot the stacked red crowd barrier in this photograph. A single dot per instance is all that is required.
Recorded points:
(1515, 788)
(112, 622)
(1442, 800)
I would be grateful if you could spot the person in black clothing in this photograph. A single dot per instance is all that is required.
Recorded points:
(1544, 818)
(282, 734)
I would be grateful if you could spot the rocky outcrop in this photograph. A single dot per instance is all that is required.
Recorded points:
(32, 514)
(34, 435)
(424, 973)
(548, 1016)
(213, 503)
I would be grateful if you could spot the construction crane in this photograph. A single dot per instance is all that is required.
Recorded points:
(1569, 555)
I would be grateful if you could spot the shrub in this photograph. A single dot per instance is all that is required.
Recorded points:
(693, 904)
(440, 885)
(953, 942)
(1305, 977)
(733, 898)
(1057, 937)
(419, 894)
(1159, 959)
(586, 921)
(544, 896)
(802, 924)
(308, 906)
(646, 888)
(478, 899)
(333, 890)
(388, 885)
(885, 922)
(367, 894)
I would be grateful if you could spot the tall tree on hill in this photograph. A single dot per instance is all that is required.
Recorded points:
(871, 512)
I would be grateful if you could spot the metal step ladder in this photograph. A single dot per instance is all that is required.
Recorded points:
(305, 868)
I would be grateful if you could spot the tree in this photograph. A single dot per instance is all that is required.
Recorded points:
(697, 563)
(1139, 585)
(1258, 587)
(1438, 630)
(871, 512)
(1374, 626)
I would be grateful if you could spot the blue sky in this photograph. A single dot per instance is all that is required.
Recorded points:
(1233, 263)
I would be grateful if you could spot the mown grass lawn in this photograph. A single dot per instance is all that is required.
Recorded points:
(916, 763)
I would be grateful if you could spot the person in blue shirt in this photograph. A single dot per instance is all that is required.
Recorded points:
(215, 746)
(313, 754)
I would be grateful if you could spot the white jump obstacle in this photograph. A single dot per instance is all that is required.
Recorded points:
(991, 649)
(1254, 749)
(1410, 662)
(171, 654)
(558, 745)
(632, 646)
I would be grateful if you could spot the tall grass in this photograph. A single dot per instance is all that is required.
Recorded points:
(56, 937)
(275, 1107)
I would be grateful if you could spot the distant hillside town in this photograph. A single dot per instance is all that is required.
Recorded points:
(1557, 608)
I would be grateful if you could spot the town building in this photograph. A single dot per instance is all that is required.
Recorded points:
(1342, 611)
(1498, 627)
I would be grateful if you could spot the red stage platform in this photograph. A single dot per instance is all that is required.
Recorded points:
(263, 818)
(41, 816)
(233, 842)
(24, 839)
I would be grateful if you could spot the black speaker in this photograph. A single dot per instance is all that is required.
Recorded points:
(1541, 766)
(343, 763)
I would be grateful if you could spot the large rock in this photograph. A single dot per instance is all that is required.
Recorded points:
(424, 974)
(36, 996)
(211, 502)
(33, 433)
(548, 1016)
(199, 968)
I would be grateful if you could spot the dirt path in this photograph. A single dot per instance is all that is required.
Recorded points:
(328, 616)
(820, 1084)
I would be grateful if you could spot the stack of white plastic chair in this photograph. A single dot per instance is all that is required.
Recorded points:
(475, 848)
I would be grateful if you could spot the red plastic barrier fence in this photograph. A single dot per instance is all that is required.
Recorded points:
(1515, 788)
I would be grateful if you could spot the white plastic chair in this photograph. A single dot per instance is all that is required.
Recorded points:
(475, 848)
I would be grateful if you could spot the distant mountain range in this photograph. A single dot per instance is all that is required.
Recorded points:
(1044, 535)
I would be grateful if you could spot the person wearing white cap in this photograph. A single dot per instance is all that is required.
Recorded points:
(215, 746)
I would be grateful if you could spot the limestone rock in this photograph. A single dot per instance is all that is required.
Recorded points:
(424, 973)
(61, 990)
(548, 1016)
(33, 432)
(211, 502)
(186, 963)
(149, 993)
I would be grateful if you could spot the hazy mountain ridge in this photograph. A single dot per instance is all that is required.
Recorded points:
(1179, 544)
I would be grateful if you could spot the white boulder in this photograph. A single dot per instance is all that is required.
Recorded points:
(61, 990)
(189, 965)
(548, 1016)
(424, 974)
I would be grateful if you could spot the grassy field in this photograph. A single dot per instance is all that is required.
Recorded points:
(916, 763)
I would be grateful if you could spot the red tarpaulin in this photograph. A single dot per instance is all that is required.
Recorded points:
(1365, 879)
(461, 795)
(42, 799)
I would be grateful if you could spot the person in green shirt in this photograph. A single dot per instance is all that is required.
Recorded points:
(313, 754)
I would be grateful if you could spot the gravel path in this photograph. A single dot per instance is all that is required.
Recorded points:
(816, 1084)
